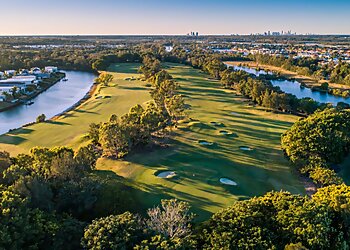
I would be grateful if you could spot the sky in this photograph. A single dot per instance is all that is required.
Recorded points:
(131, 17)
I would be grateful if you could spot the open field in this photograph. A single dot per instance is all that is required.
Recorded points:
(198, 168)
(308, 81)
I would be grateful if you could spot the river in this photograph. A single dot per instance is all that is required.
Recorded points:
(293, 87)
(53, 101)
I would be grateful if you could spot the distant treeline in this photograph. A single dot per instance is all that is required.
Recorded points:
(339, 73)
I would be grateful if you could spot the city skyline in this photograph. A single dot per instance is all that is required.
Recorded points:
(222, 17)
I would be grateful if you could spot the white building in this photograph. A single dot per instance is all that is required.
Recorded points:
(35, 71)
(51, 69)
(10, 72)
(19, 80)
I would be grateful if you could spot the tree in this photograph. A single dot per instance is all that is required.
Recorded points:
(114, 232)
(5, 161)
(271, 221)
(14, 92)
(104, 79)
(172, 220)
(337, 198)
(325, 177)
(87, 156)
(175, 107)
(266, 101)
(114, 140)
(64, 167)
(7, 95)
(40, 118)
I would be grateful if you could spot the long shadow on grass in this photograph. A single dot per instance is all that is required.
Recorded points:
(14, 140)
(21, 131)
(55, 122)
(201, 168)
(133, 88)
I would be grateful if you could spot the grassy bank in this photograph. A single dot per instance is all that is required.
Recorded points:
(198, 168)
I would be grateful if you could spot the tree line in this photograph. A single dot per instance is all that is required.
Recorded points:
(336, 73)
(120, 135)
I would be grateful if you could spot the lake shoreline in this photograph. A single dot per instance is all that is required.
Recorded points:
(66, 92)
(308, 84)
(93, 90)
(307, 81)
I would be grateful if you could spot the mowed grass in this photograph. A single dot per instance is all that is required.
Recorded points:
(70, 128)
(199, 168)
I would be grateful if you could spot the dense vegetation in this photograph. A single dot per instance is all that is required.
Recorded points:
(319, 142)
(47, 197)
(339, 73)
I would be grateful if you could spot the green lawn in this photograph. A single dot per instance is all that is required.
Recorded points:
(198, 168)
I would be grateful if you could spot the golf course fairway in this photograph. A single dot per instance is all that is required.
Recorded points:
(198, 167)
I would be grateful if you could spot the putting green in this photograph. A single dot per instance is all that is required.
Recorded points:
(198, 168)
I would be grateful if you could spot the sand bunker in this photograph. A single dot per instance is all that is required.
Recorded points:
(227, 181)
(103, 97)
(245, 148)
(166, 174)
(235, 114)
(197, 126)
(217, 124)
(224, 132)
(205, 143)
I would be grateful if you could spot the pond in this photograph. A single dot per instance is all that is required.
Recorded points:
(53, 101)
(293, 87)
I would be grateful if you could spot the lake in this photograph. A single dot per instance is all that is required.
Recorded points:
(293, 87)
(53, 101)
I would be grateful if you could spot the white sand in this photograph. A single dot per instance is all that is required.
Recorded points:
(227, 181)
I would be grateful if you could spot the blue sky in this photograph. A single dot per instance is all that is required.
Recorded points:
(173, 17)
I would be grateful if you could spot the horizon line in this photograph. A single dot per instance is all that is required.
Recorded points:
(154, 34)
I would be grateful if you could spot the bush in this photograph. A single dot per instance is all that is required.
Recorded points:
(325, 177)
(40, 118)
(114, 232)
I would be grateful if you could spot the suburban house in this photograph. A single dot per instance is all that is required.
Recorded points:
(51, 69)
(35, 71)
(23, 72)
(9, 79)
(26, 80)
(10, 72)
